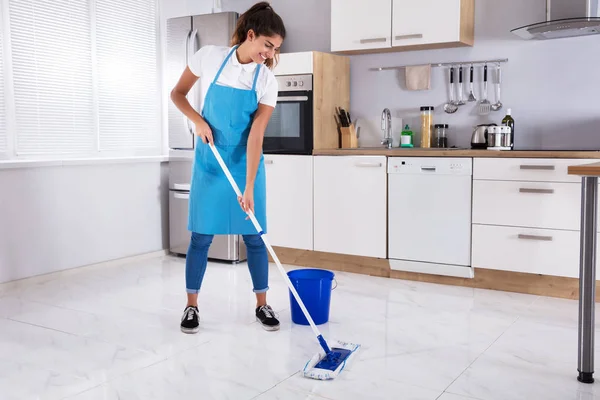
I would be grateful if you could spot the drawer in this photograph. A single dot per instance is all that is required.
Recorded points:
(526, 169)
(534, 251)
(548, 205)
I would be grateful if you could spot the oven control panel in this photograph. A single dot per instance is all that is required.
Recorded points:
(294, 82)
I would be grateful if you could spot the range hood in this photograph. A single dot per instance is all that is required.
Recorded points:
(564, 18)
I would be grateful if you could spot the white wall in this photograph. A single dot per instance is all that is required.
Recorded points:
(59, 217)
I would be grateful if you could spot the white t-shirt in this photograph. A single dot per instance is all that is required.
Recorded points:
(205, 64)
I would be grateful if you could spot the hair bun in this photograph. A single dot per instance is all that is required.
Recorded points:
(263, 5)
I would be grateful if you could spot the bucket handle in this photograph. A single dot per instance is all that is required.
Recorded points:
(336, 284)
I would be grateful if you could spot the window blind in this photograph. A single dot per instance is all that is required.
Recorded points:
(52, 73)
(3, 130)
(128, 76)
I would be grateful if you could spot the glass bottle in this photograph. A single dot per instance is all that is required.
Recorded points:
(426, 126)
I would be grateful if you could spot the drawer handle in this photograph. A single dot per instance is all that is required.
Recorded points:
(181, 186)
(181, 196)
(268, 161)
(539, 167)
(412, 36)
(539, 191)
(367, 165)
(535, 237)
(374, 40)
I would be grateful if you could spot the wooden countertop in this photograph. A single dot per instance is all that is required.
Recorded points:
(585, 169)
(419, 152)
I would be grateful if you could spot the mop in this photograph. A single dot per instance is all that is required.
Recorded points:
(328, 363)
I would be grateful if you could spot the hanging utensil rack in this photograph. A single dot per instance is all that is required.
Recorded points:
(445, 64)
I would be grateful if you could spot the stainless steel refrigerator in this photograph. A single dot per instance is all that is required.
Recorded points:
(185, 36)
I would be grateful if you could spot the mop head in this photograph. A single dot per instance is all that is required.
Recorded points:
(328, 366)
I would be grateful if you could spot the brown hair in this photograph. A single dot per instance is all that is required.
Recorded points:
(263, 21)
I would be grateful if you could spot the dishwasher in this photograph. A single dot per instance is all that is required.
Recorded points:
(429, 215)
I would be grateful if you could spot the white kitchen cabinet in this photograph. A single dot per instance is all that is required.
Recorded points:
(526, 215)
(360, 24)
(350, 209)
(549, 205)
(425, 22)
(534, 251)
(290, 200)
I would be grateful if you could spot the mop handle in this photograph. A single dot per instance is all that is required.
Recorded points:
(264, 238)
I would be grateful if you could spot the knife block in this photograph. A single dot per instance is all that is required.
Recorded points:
(348, 136)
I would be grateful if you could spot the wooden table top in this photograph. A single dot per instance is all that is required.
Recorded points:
(592, 169)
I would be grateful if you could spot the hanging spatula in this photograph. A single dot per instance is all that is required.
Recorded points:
(485, 107)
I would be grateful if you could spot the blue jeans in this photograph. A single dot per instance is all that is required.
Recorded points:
(197, 258)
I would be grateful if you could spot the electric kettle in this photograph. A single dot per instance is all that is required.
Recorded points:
(479, 138)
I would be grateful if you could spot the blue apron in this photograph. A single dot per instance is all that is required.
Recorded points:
(214, 207)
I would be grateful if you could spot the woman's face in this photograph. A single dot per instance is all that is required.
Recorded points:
(263, 48)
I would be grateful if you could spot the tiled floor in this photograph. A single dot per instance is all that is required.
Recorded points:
(112, 332)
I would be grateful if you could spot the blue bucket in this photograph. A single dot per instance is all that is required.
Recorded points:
(314, 288)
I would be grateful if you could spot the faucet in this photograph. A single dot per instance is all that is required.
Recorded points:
(386, 127)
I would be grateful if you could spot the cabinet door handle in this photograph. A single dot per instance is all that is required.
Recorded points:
(374, 40)
(538, 167)
(411, 36)
(368, 165)
(432, 169)
(181, 186)
(539, 191)
(181, 196)
(536, 237)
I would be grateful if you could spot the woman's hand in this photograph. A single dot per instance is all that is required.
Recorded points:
(203, 130)
(247, 201)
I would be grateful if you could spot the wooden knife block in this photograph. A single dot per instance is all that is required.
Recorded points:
(348, 135)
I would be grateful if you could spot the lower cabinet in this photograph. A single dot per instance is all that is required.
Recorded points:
(290, 200)
(526, 216)
(350, 215)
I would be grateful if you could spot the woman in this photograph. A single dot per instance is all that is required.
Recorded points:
(239, 93)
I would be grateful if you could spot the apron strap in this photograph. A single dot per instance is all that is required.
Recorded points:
(256, 76)
(223, 64)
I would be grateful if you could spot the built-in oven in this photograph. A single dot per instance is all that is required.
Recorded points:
(290, 129)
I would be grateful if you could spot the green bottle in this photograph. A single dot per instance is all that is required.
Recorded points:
(406, 137)
(510, 122)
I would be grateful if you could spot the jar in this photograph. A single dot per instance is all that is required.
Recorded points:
(426, 125)
(440, 138)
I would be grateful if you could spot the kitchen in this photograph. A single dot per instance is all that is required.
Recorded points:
(487, 219)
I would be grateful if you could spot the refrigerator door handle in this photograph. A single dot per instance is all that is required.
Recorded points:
(191, 39)
(186, 120)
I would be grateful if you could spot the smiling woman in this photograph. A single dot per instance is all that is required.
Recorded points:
(239, 94)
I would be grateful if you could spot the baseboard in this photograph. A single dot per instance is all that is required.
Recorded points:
(88, 267)
(508, 281)
(458, 271)
(337, 262)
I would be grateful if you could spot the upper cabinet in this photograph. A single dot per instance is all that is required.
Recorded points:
(358, 26)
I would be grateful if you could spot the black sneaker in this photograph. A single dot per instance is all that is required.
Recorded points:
(266, 316)
(189, 320)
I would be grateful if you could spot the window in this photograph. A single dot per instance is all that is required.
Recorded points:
(128, 77)
(52, 76)
(85, 78)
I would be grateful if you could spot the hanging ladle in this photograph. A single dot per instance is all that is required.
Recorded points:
(451, 106)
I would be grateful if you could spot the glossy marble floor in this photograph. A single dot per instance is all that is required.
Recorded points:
(111, 332)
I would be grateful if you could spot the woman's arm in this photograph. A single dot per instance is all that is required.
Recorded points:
(254, 152)
(178, 96)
